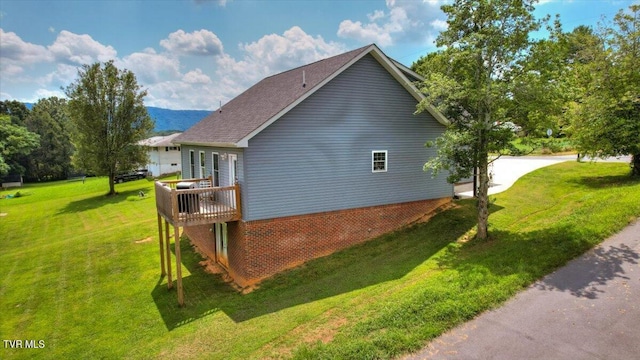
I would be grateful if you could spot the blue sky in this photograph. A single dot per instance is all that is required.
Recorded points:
(192, 54)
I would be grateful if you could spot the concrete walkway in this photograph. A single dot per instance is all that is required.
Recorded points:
(589, 309)
(507, 169)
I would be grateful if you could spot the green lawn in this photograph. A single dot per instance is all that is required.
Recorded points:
(81, 272)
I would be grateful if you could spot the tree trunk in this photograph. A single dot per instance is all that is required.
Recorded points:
(112, 186)
(635, 164)
(483, 197)
(483, 187)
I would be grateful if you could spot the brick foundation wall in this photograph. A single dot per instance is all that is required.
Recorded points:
(262, 248)
(270, 246)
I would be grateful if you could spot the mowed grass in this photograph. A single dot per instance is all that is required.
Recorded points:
(81, 272)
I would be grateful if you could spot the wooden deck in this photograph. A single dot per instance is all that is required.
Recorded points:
(195, 202)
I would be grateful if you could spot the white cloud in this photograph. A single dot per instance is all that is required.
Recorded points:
(269, 55)
(293, 48)
(405, 21)
(377, 14)
(61, 77)
(201, 42)
(182, 95)
(8, 70)
(196, 77)
(80, 49)
(15, 51)
(199, 83)
(439, 25)
(5, 95)
(151, 67)
(368, 33)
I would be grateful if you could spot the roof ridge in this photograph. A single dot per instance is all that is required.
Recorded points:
(358, 50)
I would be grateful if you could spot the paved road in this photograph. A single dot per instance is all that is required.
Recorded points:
(589, 309)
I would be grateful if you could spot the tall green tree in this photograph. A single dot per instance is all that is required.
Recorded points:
(17, 110)
(52, 159)
(606, 118)
(15, 141)
(107, 110)
(485, 41)
(539, 95)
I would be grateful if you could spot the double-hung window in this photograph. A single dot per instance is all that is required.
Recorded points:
(215, 160)
(203, 170)
(192, 164)
(379, 160)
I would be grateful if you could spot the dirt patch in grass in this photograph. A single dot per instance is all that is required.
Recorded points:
(145, 240)
(308, 334)
(326, 333)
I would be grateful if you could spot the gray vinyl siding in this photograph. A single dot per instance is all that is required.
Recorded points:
(223, 164)
(317, 157)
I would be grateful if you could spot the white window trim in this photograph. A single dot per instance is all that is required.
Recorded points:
(386, 161)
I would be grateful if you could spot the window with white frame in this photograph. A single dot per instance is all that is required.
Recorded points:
(379, 161)
(215, 160)
(192, 164)
(203, 170)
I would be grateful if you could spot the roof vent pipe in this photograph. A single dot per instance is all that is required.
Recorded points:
(220, 108)
(304, 80)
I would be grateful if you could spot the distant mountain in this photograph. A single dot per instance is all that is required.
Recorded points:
(167, 119)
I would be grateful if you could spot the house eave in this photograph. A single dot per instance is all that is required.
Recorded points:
(211, 144)
(407, 70)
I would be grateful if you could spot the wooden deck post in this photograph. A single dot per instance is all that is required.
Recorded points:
(163, 270)
(238, 201)
(168, 244)
(175, 215)
(176, 230)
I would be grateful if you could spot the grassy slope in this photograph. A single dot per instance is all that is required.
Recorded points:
(77, 272)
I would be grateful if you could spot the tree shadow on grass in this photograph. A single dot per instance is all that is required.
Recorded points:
(383, 259)
(101, 200)
(532, 255)
(603, 182)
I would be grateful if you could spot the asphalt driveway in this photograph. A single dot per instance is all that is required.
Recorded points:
(589, 309)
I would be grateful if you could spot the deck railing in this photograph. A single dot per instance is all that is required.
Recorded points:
(195, 202)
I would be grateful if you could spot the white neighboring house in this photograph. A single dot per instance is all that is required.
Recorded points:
(164, 155)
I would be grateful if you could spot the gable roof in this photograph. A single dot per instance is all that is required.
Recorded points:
(262, 104)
